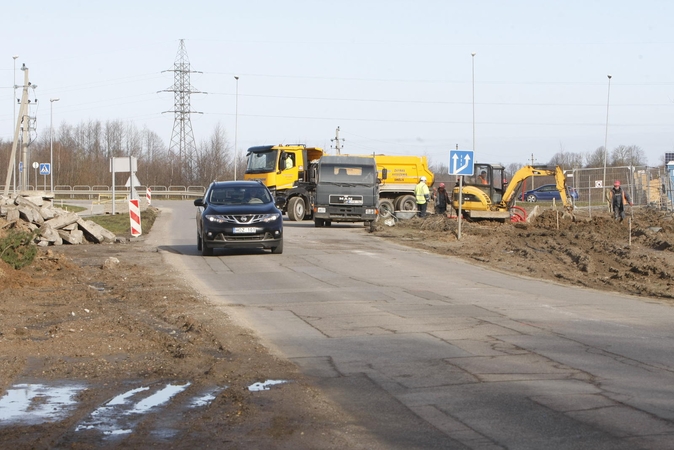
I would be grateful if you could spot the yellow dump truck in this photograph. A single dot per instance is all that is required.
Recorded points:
(289, 171)
(399, 175)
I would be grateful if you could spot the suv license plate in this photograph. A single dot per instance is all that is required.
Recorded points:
(245, 230)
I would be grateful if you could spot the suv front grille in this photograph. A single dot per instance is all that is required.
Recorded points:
(243, 219)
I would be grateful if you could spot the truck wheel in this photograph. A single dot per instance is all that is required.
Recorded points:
(328, 222)
(371, 226)
(319, 223)
(296, 209)
(385, 208)
(406, 203)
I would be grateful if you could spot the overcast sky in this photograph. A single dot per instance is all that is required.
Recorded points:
(395, 76)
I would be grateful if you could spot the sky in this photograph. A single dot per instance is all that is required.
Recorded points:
(397, 77)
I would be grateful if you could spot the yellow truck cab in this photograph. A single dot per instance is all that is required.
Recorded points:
(287, 171)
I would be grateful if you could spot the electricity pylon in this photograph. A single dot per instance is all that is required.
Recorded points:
(182, 149)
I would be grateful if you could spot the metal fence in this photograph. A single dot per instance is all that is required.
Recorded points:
(647, 186)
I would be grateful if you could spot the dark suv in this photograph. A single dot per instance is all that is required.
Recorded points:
(238, 214)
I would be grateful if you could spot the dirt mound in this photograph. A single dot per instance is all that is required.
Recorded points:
(635, 256)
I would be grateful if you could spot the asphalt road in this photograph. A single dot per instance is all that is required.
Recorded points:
(426, 351)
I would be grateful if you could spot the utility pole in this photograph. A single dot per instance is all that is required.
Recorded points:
(336, 140)
(14, 99)
(23, 116)
(532, 177)
(182, 137)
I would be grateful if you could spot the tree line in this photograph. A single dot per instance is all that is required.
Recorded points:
(82, 153)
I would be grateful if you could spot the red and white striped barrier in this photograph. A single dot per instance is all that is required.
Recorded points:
(148, 194)
(134, 216)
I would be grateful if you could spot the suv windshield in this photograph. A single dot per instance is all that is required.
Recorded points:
(238, 196)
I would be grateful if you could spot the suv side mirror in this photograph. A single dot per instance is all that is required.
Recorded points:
(199, 202)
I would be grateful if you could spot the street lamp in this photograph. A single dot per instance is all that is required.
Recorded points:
(608, 97)
(236, 124)
(14, 124)
(473, 64)
(51, 142)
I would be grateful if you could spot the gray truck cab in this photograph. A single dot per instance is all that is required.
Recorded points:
(347, 190)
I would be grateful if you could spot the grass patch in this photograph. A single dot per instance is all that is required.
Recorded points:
(120, 223)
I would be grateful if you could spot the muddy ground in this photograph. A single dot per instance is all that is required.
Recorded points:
(590, 249)
(100, 354)
(95, 339)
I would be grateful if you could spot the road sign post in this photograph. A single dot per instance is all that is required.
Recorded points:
(45, 169)
(461, 163)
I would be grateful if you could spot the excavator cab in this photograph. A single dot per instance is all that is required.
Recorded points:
(490, 179)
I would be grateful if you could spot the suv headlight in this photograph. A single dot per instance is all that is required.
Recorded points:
(270, 217)
(217, 218)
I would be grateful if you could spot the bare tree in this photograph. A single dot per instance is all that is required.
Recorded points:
(595, 158)
(566, 160)
(512, 168)
(631, 155)
(213, 158)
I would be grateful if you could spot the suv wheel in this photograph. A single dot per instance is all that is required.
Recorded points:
(205, 249)
(278, 249)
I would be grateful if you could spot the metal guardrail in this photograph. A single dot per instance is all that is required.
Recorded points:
(94, 192)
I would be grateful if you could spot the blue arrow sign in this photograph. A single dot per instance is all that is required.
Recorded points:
(45, 168)
(461, 162)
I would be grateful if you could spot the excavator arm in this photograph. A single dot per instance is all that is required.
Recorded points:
(531, 171)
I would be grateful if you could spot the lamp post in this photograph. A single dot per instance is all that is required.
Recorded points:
(14, 124)
(473, 83)
(236, 125)
(51, 142)
(608, 97)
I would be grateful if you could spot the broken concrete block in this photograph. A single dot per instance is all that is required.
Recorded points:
(94, 232)
(75, 237)
(12, 214)
(47, 213)
(63, 220)
(50, 235)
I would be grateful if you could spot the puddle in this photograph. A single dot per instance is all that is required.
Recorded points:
(124, 412)
(32, 404)
(206, 398)
(255, 387)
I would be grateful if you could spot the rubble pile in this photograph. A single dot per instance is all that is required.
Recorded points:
(56, 226)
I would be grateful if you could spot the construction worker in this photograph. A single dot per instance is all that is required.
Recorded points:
(288, 161)
(483, 177)
(423, 195)
(441, 199)
(618, 199)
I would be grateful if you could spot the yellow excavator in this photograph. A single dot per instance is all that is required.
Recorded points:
(488, 195)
